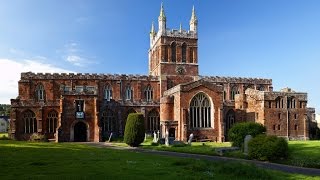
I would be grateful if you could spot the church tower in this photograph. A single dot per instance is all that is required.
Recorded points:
(173, 53)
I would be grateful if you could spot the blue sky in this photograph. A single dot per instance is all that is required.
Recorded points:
(277, 39)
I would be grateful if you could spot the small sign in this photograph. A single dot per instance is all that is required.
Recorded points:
(80, 115)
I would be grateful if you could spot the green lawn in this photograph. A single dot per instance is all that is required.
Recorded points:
(304, 153)
(30, 160)
(301, 153)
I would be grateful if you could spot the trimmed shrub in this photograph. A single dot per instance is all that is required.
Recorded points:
(38, 137)
(267, 148)
(239, 131)
(134, 132)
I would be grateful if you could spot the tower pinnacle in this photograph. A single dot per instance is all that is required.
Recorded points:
(162, 20)
(193, 21)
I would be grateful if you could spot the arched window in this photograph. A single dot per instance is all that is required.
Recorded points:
(200, 112)
(165, 54)
(279, 102)
(233, 92)
(40, 92)
(129, 92)
(52, 121)
(148, 93)
(108, 121)
(108, 93)
(30, 122)
(191, 54)
(224, 95)
(173, 52)
(184, 52)
(230, 120)
(153, 121)
(291, 103)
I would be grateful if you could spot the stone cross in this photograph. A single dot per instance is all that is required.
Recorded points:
(190, 138)
(246, 141)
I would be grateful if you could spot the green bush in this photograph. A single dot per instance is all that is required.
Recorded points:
(267, 148)
(239, 131)
(134, 132)
(38, 137)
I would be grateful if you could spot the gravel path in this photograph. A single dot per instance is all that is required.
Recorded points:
(268, 165)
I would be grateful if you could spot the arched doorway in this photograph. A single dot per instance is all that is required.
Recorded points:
(172, 132)
(80, 132)
(229, 121)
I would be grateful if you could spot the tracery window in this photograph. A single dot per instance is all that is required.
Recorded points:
(200, 112)
(153, 121)
(184, 52)
(30, 122)
(108, 121)
(52, 121)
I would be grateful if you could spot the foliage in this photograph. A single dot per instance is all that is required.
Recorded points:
(35, 160)
(38, 137)
(5, 109)
(267, 148)
(134, 132)
(4, 136)
(239, 131)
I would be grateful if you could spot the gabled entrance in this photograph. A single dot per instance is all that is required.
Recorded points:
(80, 132)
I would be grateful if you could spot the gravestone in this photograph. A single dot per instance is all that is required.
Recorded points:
(190, 138)
(246, 141)
(158, 137)
(167, 138)
(110, 137)
(155, 139)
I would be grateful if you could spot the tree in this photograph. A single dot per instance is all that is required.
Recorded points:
(239, 131)
(134, 131)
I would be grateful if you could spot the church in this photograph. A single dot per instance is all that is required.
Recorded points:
(173, 98)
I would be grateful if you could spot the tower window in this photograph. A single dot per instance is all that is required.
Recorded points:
(191, 55)
(173, 52)
(40, 92)
(184, 52)
(165, 54)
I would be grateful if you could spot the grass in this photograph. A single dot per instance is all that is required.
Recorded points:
(30, 160)
(301, 153)
(304, 154)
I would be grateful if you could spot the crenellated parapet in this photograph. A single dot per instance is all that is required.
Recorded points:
(83, 76)
(271, 96)
(237, 80)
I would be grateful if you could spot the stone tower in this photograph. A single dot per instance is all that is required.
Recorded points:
(173, 53)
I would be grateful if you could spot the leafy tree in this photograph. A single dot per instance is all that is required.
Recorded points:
(239, 131)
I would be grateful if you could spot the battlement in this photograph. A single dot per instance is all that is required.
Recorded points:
(94, 76)
(237, 80)
(174, 33)
(268, 95)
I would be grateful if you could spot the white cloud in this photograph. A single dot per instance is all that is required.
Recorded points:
(75, 60)
(10, 75)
